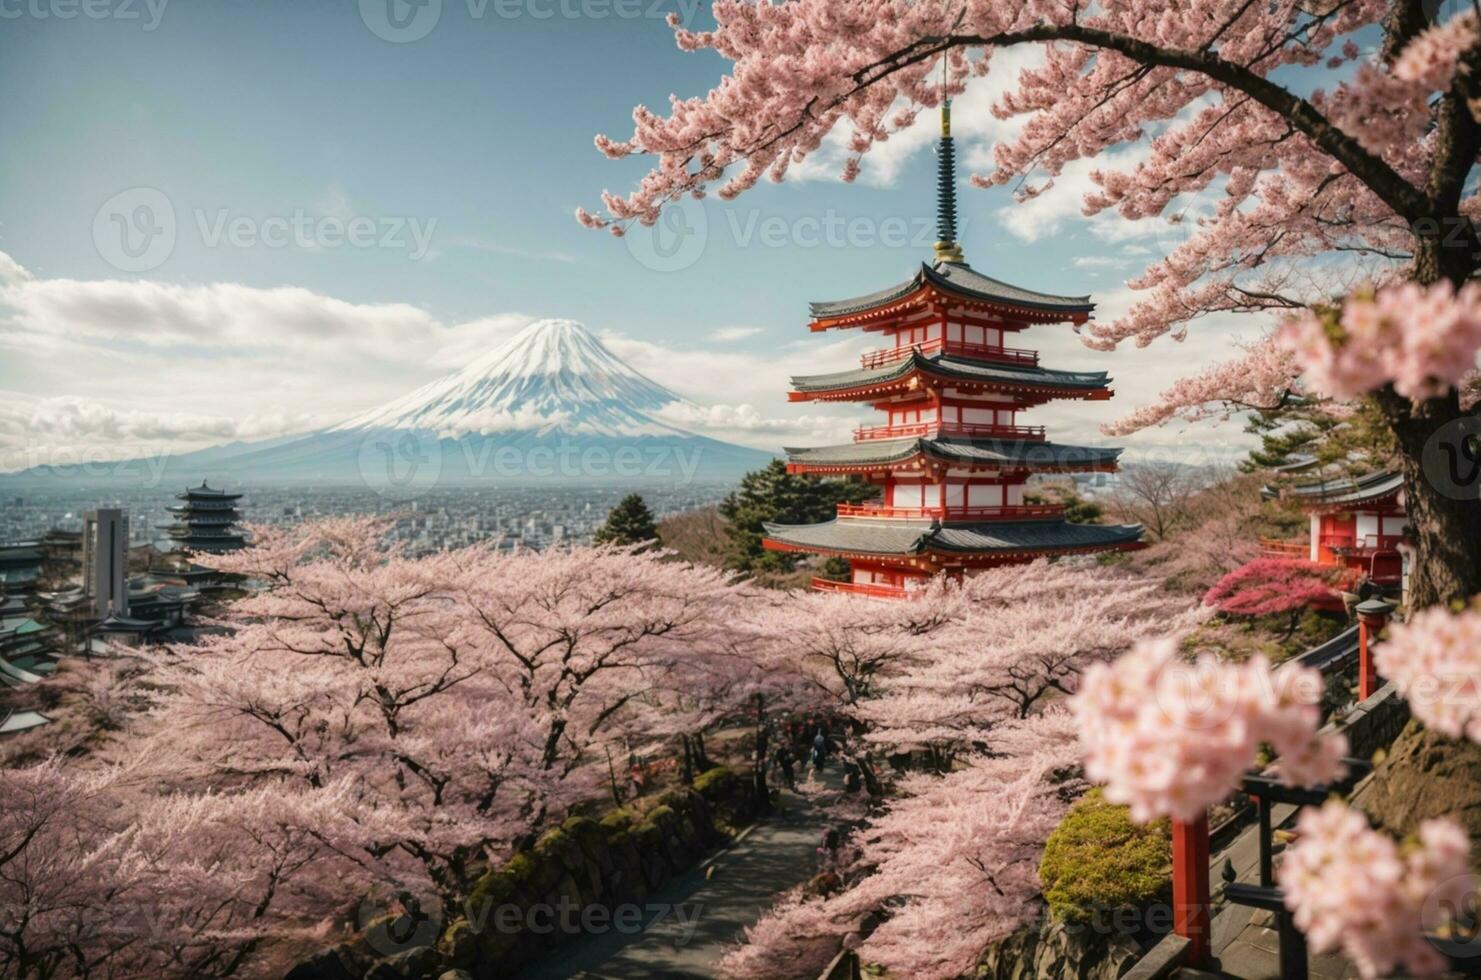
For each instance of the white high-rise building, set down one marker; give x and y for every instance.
(105, 560)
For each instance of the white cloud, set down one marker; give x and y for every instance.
(727, 335)
(66, 429)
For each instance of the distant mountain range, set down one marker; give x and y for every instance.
(553, 404)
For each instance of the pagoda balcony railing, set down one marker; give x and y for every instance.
(1361, 546)
(861, 588)
(984, 513)
(1271, 548)
(918, 429)
(986, 352)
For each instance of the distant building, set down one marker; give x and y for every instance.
(206, 521)
(105, 560)
(1358, 524)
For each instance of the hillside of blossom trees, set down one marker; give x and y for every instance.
(369, 724)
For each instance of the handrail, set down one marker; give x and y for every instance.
(860, 588)
(989, 430)
(944, 513)
(991, 352)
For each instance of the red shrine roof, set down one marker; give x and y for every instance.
(856, 536)
(947, 367)
(957, 280)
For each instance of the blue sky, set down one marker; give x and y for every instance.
(462, 156)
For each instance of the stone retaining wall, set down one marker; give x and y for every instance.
(583, 877)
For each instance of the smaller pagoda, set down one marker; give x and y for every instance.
(206, 520)
(1355, 523)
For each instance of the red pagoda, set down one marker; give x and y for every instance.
(951, 459)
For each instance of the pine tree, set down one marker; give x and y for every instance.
(774, 495)
(1350, 441)
(630, 522)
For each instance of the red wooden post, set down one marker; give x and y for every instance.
(1190, 894)
(1372, 618)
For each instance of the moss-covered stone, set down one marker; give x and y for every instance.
(1097, 860)
(720, 782)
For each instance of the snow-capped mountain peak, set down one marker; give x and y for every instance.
(554, 375)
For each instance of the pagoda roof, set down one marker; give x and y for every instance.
(1373, 488)
(953, 367)
(857, 536)
(114, 623)
(959, 279)
(1017, 453)
(206, 492)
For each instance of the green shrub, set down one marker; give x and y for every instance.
(1097, 859)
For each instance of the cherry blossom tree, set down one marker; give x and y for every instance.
(1326, 163)
(951, 865)
(1021, 637)
(101, 877)
(472, 693)
(1276, 586)
(950, 862)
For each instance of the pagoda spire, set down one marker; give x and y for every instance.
(947, 249)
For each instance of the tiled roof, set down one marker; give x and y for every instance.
(1045, 455)
(953, 367)
(1374, 486)
(856, 536)
(962, 279)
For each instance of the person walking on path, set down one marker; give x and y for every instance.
(784, 760)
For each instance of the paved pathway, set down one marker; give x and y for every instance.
(715, 905)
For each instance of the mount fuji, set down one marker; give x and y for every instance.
(550, 405)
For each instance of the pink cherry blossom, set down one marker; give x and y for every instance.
(1434, 660)
(1170, 738)
(1352, 888)
(1423, 341)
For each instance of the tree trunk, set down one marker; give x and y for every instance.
(702, 760)
(688, 756)
(763, 796)
(1442, 483)
(1442, 491)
